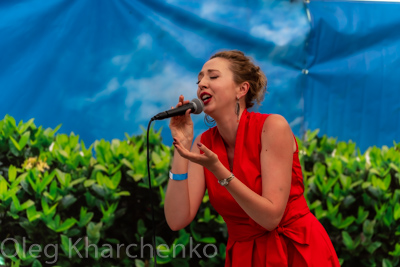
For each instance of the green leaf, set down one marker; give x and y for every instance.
(183, 239)
(85, 219)
(320, 212)
(127, 163)
(373, 246)
(345, 181)
(3, 187)
(47, 179)
(100, 178)
(32, 214)
(123, 193)
(368, 228)
(315, 204)
(207, 215)
(347, 222)
(195, 234)
(348, 200)
(46, 210)
(139, 263)
(163, 254)
(101, 168)
(394, 167)
(16, 203)
(15, 143)
(332, 210)
(388, 218)
(65, 241)
(62, 154)
(27, 204)
(362, 215)
(396, 214)
(68, 223)
(88, 183)
(396, 251)
(67, 201)
(311, 147)
(141, 228)
(36, 263)
(11, 192)
(386, 182)
(61, 177)
(24, 140)
(208, 240)
(386, 263)
(12, 173)
(348, 241)
(115, 169)
(155, 158)
(53, 190)
(24, 126)
(13, 215)
(99, 190)
(77, 181)
(93, 232)
(116, 179)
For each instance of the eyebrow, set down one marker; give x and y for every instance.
(209, 70)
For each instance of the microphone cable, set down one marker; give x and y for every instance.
(151, 196)
(196, 107)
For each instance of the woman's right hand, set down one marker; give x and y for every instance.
(182, 126)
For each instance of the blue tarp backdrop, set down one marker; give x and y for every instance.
(103, 68)
(352, 88)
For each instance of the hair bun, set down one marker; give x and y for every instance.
(244, 70)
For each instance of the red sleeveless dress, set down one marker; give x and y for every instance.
(299, 240)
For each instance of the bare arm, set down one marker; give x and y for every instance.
(183, 198)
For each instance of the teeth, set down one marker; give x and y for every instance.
(205, 97)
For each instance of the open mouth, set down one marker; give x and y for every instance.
(205, 97)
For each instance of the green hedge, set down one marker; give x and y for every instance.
(91, 205)
(356, 197)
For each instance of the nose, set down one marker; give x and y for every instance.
(202, 85)
(200, 88)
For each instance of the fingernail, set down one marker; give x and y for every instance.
(199, 144)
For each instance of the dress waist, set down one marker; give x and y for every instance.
(250, 230)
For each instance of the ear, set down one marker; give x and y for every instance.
(243, 89)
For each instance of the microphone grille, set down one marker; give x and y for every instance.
(198, 106)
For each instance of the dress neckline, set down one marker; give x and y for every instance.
(238, 148)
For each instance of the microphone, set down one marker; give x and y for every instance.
(196, 107)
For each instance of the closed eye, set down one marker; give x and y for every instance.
(215, 77)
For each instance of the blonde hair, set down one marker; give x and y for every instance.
(244, 70)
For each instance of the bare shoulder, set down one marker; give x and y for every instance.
(276, 123)
(276, 131)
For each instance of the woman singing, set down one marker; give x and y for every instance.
(249, 164)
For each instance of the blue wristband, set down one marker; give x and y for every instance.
(178, 177)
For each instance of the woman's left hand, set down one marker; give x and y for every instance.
(208, 159)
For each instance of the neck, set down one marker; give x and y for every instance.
(227, 127)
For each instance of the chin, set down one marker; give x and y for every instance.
(208, 111)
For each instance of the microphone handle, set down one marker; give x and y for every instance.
(174, 112)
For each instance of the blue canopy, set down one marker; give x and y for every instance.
(103, 68)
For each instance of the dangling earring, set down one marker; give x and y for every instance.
(208, 121)
(237, 109)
